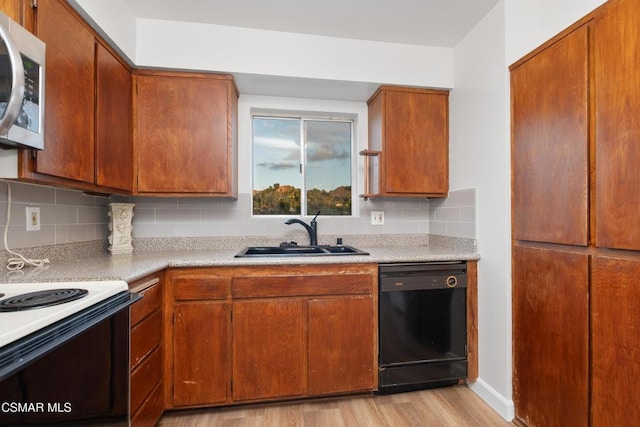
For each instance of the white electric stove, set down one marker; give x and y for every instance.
(20, 322)
(53, 357)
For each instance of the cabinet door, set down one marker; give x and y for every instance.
(550, 146)
(615, 319)
(416, 143)
(617, 126)
(341, 344)
(69, 105)
(183, 136)
(551, 337)
(14, 9)
(268, 349)
(200, 337)
(114, 155)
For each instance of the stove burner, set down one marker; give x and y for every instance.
(41, 299)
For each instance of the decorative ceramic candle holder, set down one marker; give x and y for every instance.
(120, 215)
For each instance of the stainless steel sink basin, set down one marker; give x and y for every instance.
(293, 251)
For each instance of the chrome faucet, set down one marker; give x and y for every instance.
(311, 229)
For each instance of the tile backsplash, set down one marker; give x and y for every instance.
(70, 216)
(66, 216)
(454, 216)
(205, 217)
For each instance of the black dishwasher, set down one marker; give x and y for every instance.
(422, 325)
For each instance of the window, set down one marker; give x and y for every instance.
(301, 165)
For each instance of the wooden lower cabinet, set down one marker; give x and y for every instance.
(268, 349)
(551, 336)
(615, 340)
(199, 338)
(249, 334)
(200, 329)
(340, 356)
(146, 355)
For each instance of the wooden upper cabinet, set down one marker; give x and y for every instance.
(186, 134)
(88, 132)
(410, 129)
(70, 96)
(550, 143)
(19, 11)
(114, 137)
(617, 126)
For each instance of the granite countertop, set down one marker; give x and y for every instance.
(103, 266)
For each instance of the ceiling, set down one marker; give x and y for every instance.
(440, 23)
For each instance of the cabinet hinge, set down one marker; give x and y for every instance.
(34, 4)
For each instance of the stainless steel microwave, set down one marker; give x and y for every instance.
(22, 73)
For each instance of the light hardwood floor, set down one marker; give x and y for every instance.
(440, 407)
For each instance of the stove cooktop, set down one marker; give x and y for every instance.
(41, 299)
(20, 323)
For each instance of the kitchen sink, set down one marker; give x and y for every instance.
(294, 250)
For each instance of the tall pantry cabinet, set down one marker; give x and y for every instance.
(549, 197)
(575, 220)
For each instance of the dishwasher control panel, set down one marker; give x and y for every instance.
(398, 277)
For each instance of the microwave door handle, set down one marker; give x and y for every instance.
(14, 105)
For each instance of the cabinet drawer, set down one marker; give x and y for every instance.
(144, 378)
(145, 337)
(151, 301)
(197, 288)
(301, 285)
(150, 411)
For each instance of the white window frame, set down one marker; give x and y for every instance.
(309, 116)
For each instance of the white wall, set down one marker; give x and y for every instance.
(242, 50)
(529, 23)
(479, 157)
(115, 18)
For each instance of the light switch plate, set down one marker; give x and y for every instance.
(377, 218)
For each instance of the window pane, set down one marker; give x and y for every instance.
(328, 172)
(276, 166)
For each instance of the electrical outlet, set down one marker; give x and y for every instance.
(377, 218)
(33, 218)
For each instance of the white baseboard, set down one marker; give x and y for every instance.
(498, 402)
